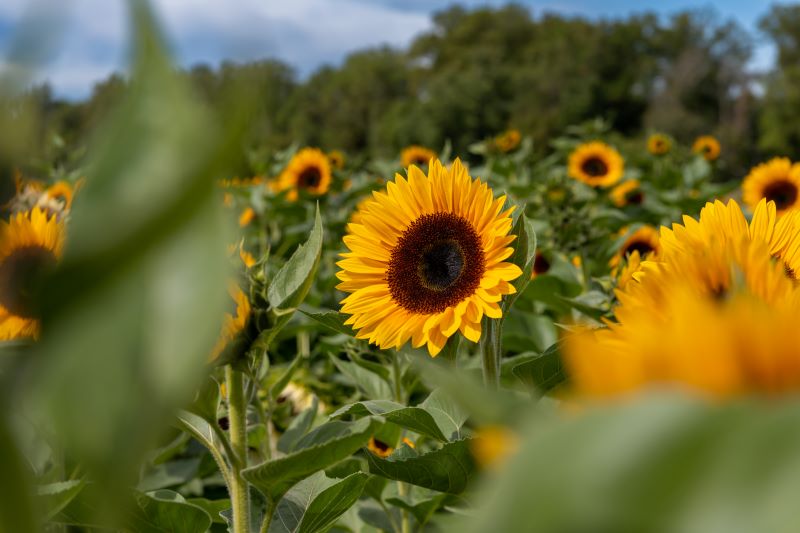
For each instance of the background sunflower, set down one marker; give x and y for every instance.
(309, 170)
(777, 180)
(596, 164)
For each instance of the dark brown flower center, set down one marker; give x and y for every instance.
(783, 193)
(20, 278)
(436, 263)
(540, 264)
(634, 197)
(419, 160)
(380, 445)
(309, 178)
(643, 247)
(595, 167)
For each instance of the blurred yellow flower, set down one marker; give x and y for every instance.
(337, 159)
(540, 265)
(777, 180)
(379, 448)
(427, 259)
(232, 326)
(596, 164)
(627, 193)
(644, 240)
(309, 171)
(493, 445)
(31, 243)
(246, 217)
(658, 144)
(416, 155)
(508, 140)
(707, 146)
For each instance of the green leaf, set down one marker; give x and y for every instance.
(300, 425)
(543, 372)
(449, 415)
(315, 503)
(523, 256)
(165, 511)
(54, 497)
(448, 469)
(423, 510)
(413, 418)
(332, 320)
(371, 384)
(274, 478)
(169, 474)
(206, 403)
(214, 508)
(289, 286)
(280, 384)
(657, 463)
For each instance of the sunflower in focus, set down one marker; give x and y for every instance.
(309, 171)
(596, 164)
(508, 140)
(627, 193)
(658, 144)
(31, 244)
(232, 326)
(707, 146)
(645, 241)
(416, 155)
(336, 157)
(427, 259)
(777, 180)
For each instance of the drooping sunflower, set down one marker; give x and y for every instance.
(707, 146)
(627, 193)
(508, 140)
(309, 171)
(596, 164)
(416, 155)
(645, 241)
(31, 244)
(232, 326)
(777, 180)
(659, 144)
(427, 259)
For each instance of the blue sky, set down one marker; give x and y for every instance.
(90, 41)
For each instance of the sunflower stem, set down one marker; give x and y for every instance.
(405, 524)
(237, 417)
(491, 349)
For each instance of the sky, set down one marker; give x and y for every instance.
(87, 39)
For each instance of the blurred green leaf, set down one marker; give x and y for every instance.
(448, 469)
(299, 426)
(274, 478)
(53, 497)
(371, 384)
(17, 510)
(423, 510)
(449, 415)
(661, 463)
(165, 511)
(414, 418)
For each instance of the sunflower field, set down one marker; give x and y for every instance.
(598, 335)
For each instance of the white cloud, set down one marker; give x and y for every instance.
(305, 33)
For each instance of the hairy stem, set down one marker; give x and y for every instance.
(237, 417)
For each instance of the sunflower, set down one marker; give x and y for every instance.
(777, 180)
(540, 265)
(717, 318)
(426, 259)
(247, 216)
(379, 448)
(596, 164)
(309, 171)
(61, 192)
(31, 243)
(658, 144)
(628, 271)
(416, 155)
(232, 326)
(336, 158)
(644, 240)
(707, 146)
(627, 193)
(508, 140)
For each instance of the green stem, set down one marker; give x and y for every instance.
(491, 349)
(405, 524)
(237, 417)
(270, 512)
